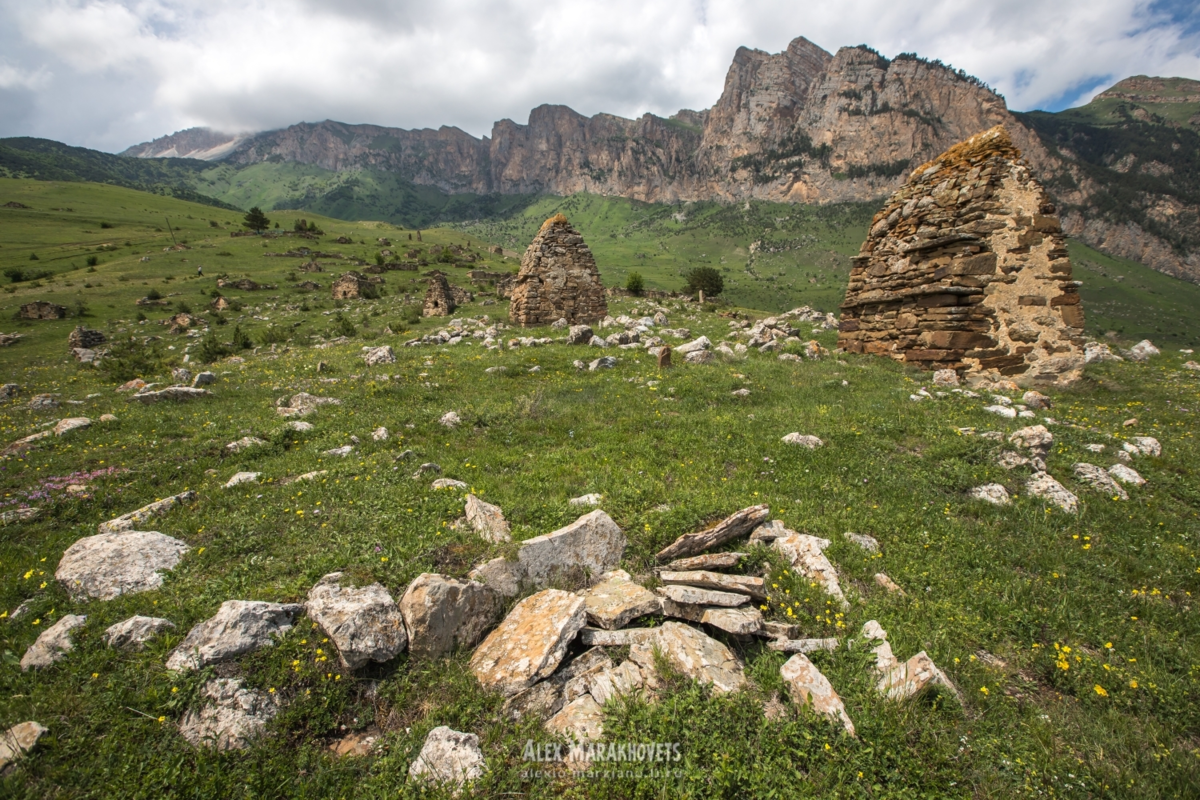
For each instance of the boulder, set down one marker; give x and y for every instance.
(231, 715)
(487, 520)
(886, 583)
(1143, 446)
(71, 424)
(1099, 480)
(450, 419)
(1143, 351)
(699, 657)
(40, 402)
(741, 622)
(585, 500)
(613, 682)
(443, 614)
(1126, 474)
(805, 554)
(379, 355)
(1098, 352)
(500, 574)
(238, 627)
(694, 346)
(19, 740)
(109, 565)
(133, 633)
(204, 379)
(1044, 486)
(362, 621)
(449, 759)
(617, 600)
(914, 677)
(811, 442)
(993, 493)
(867, 543)
(809, 687)
(589, 546)
(530, 643)
(579, 334)
(53, 644)
(242, 477)
(604, 362)
(546, 698)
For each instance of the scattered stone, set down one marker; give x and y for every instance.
(238, 627)
(53, 644)
(1035, 399)
(888, 584)
(1126, 475)
(245, 443)
(231, 717)
(379, 355)
(308, 476)
(1036, 438)
(1100, 480)
(1192, 365)
(914, 677)
(1143, 445)
(617, 600)
(109, 565)
(699, 657)
(448, 758)
(299, 426)
(733, 526)
(204, 379)
(19, 515)
(443, 614)
(945, 377)
(811, 442)
(339, 452)
(740, 622)
(805, 554)
(740, 393)
(592, 544)
(181, 375)
(546, 698)
(1097, 352)
(699, 357)
(356, 745)
(694, 346)
(808, 686)
(581, 720)
(1042, 485)
(175, 393)
(717, 581)
(604, 362)
(363, 621)
(450, 419)
(428, 466)
(449, 483)
(769, 532)
(380, 434)
(303, 404)
(708, 561)
(133, 633)
(531, 641)
(501, 575)
(1143, 350)
(107, 418)
(21, 446)
(1010, 460)
(868, 543)
(9, 390)
(487, 520)
(71, 424)
(579, 334)
(586, 500)
(19, 740)
(993, 493)
(593, 637)
(42, 310)
(803, 645)
(1003, 411)
(41, 402)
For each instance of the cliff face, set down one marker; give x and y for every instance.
(204, 144)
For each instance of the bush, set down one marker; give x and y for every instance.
(33, 257)
(241, 341)
(211, 349)
(379, 259)
(106, 225)
(183, 308)
(80, 309)
(217, 318)
(342, 326)
(141, 317)
(634, 283)
(154, 294)
(274, 334)
(92, 261)
(212, 223)
(704, 279)
(411, 314)
(128, 360)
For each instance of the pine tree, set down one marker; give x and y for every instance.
(256, 220)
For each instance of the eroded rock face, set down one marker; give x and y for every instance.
(109, 565)
(558, 279)
(966, 268)
(238, 627)
(592, 544)
(133, 633)
(53, 644)
(808, 686)
(448, 757)
(530, 643)
(363, 621)
(443, 614)
(230, 717)
(696, 655)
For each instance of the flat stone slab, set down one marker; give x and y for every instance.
(448, 758)
(531, 641)
(109, 565)
(19, 740)
(238, 627)
(53, 644)
(448, 483)
(595, 637)
(803, 645)
(803, 440)
(245, 443)
(487, 520)
(614, 682)
(696, 655)
(242, 477)
(69, 424)
(362, 621)
(993, 493)
(868, 543)
(171, 393)
(546, 698)
(717, 581)
(443, 614)
(586, 500)
(805, 554)
(581, 720)
(708, 561)
(738, 524)
(231, 716)
(617, 600)
(133, 633)
(127, 522)
(746, 621)
(809, 687)
(499, 574)
(691, 595)
(592, 544)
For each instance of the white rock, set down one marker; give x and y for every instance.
(448, 483)
(693, 346)
(1143, 350)
(617, 600)
(450, 419)
(500, 574)
(108, 565)
(913, 677)
(238, 627)
(692, 653)
(242, 477)
(443, 614)
(1100, 480)
(811, 442)
(1126, 475)
(299, 426)
(362, 621)
(530, 643)
(127, 522)
(1003, 411)
(1144, 445)
(245, 443)
(581, 720)
(808, 686)
(695, 596)
(487, 520)
(380, 434)
(945, 377)
(868, 543)
(613, 682)
(379, 355)
(133, 633)
(71, 424)
(340, 452)
(586, 500)
(993, 493)
(53, 644)
(231, 716)
(1096, 352)
(698, 357)
(805, 554)
(1044, 486)
(448, 758)
(592, 544)
(19, 740)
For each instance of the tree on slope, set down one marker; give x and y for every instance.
(256, 220)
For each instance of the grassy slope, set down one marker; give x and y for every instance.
(1017, 582)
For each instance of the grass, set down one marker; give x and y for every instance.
(1021, 583)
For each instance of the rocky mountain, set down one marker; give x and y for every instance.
(200, 143)
(802, 126)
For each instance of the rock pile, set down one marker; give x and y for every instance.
(83, 338)
(558, 279)
(965, 268)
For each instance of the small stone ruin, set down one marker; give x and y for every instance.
(350, 286)
(965, 268)
(85, 339)
(558, 279)
(439, 298)
(42, 310)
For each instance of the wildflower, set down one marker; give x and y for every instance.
(984, 690)
(1133, 684)
(1098, 689)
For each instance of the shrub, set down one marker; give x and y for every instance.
(91, 269)
(183, 307)
(92, 261)
(217, 318)
(211, 349)
(106, 225)
(154, 294)
(379, 259)
(274, 334)
(33, 257)
(128, 360)
(634, 283)
(704, 279)
(342, 326)
(212, 223)
(80, 309)
(241, 341)
(140, 317)
(411, 314)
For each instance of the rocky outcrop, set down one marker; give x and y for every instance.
(109, 565)
(558, 279)
(41, 310)
(965, 268)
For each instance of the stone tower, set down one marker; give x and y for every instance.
(439, 298)
(965, 268)
(558, 279)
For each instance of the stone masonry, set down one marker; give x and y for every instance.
(85, 338)
(351, 285)
(42, 310)
(965, 268)
(439, 298)
(558, 279)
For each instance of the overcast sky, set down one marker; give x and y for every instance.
(111, 73)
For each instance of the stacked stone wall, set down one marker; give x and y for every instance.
(558, 279)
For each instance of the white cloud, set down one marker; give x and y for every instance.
(152, 66)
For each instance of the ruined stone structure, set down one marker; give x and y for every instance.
(85, 338)
(351, 285)
(558, 279)
(965, 268)
(42, 310)
(439, 297)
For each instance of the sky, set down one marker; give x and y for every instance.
(108, 74)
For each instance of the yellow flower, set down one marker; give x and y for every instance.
(985, 691)
(1098, 689)
(1133, 684)
(162, 719)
